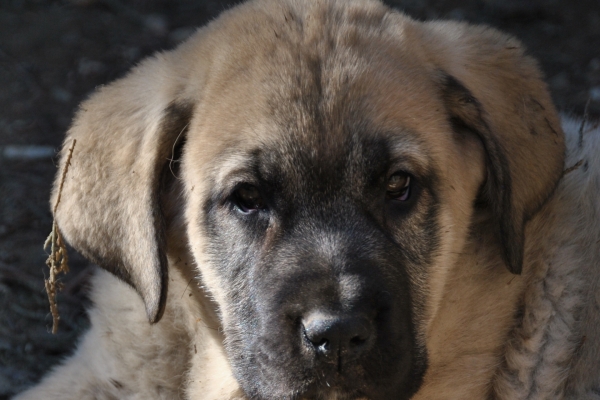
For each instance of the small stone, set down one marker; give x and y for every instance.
(61, 94)
(131, 53)
(4, 290)
(5, 385)
(181, 34)
(84, 3)
(90, 67)
(457, 14)
(157, 24)
(70, 39)
(560, 80)
(595, 93)
(33, 152)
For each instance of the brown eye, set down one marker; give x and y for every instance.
(248, 199)
(398, 187)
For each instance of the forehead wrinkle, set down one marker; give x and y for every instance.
(313, 99)
(315, 102)
(324, 125)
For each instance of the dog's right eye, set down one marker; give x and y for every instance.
(398, 187)
(248, 199)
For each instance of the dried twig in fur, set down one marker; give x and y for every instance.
(583, 122)
(57, 261)
(573, 167)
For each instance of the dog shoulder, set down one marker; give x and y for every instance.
(555, 348)
(582, 187)
(121, 356)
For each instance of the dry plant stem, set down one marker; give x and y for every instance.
(573, 168)
(583, 122)
(57, 261)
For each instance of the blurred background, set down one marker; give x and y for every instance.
(53, 53)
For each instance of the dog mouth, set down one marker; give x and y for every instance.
(338, 382)
(333, 393)
(332, 387)
(321, 378)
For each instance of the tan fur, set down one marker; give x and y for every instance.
(488, 333)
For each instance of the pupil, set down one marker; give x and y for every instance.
(398, 183)
(249, 199)
(399, 187)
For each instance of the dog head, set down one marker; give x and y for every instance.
(335, 155)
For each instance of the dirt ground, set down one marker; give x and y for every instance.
(53, 53)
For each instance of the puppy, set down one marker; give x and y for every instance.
(325, 199)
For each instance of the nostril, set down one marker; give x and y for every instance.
(357, 341)
(329, 335)
(320, 334)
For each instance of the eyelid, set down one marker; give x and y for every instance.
(400, 170)
(414, 165)
(230, 186)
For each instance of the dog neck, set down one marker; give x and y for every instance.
(552, 349)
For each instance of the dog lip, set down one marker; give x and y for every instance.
(325, 377)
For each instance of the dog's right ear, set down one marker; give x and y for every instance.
(494, 89)
(109, 207)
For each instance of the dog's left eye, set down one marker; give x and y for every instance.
(398, 187)
(248, 199)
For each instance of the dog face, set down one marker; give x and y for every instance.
(320, 230)
(337, 158)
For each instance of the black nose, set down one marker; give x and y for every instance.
(338, 335)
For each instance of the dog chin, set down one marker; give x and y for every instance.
(334, 394)
(325, 389)
(339, 395)
(332, 389)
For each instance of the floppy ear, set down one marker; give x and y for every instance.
(109, 208)
(490, 87)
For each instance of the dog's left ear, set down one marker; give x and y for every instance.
(109, 207)
(492, 88)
